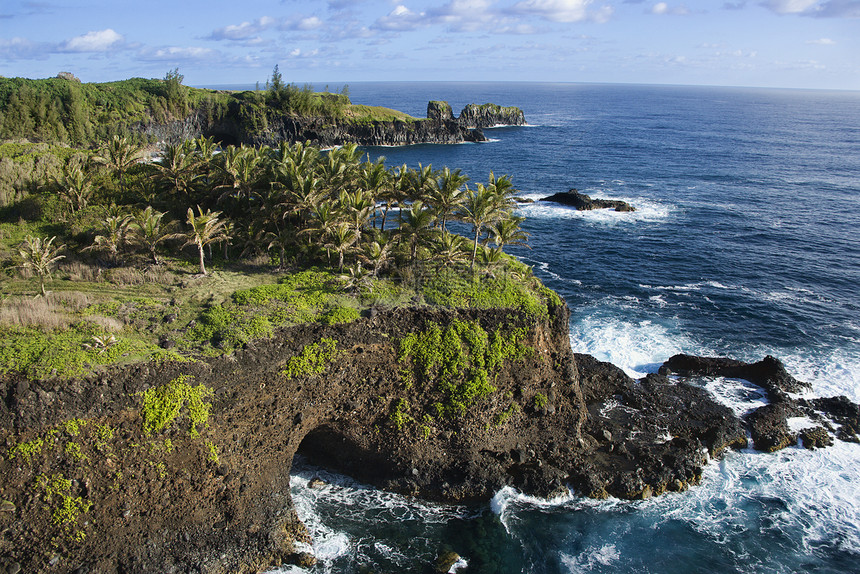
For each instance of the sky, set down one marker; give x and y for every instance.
(766, 43)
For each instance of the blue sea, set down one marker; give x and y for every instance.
(745, 242)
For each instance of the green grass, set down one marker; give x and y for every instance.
(366, 114)
(62, 353)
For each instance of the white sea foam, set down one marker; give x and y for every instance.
(460, 564)
(647, 211)
(343, 501)
(595, 558)
(739, 395)
(638, 347)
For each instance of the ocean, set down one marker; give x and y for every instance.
(745, 242)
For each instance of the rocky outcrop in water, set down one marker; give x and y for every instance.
(490, 115)
(769, 424)
(79, 469)
(583, 202)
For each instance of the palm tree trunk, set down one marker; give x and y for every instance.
(202, 265)
(475, 250)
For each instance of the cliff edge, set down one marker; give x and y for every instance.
(181, 466)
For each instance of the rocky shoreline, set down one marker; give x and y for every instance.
(171, 501)
(440, 127)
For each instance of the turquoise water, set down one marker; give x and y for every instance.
(745, 242)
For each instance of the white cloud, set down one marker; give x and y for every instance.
(563, 10)
(822, 42)
(840, 9)
(661, 8)
(100, 41)
(401, 19)
(816, 8)
(244, 30)
(789, 6)
(23, 49)
(175, 53)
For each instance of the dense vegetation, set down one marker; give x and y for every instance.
(123, 250)
(65, 110)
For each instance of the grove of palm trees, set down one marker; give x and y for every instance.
(162, 252)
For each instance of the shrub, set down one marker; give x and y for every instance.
(313, 359)
(163, 405)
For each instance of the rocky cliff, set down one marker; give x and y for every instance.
(182, 467)
(440, 127)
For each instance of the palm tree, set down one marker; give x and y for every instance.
(358, 207)
(148, 230)
(449, 248)
(447, 193)
(416, 227)
(507, 232)
(115, 231)
(395, 193)
(75, 186)
(479, 208)
(375, 180)
(340, 239)
(376, 254)
(119, 155)
(421, 182)
(40, 257)
(178, 168)
(206, 228)
(240, 168)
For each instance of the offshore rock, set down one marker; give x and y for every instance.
(490, 115)
(582, 202)
(768, 424)
(769, 373)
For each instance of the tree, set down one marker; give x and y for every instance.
(75, 186)
(376, 254)
(449, 248)
(416, 228)
(479, 208)
(114, 234)
(206, 228)
(40, 257)
(340, 239)
(148, 231)
(178, 168)
(507, 232)
(119, 155)
(447, 194)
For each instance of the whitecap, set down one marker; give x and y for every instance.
(595, 558)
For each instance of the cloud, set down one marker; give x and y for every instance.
(468, 15)
(822, 42)
(734, 5)
(100, 41)
(661, 8)
(789, 6)
(401, 19)
(559, 10)
(242, 31)
(301, 23)
(179, 53)
(840, 9)
(23, 49)
(829, 9)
